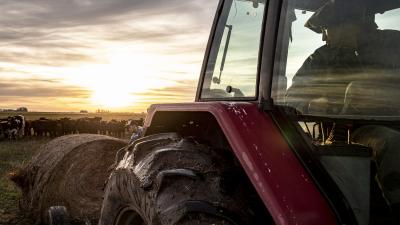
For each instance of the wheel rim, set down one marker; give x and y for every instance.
(129, 217)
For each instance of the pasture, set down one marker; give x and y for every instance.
(74, 116)
(12, 155)
(15, 153)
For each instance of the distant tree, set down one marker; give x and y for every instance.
(83, 111)
(22, 109)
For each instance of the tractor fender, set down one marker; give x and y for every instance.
(283, 184)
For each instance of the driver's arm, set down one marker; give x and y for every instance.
(308, 82)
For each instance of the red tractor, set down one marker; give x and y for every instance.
(293, 124)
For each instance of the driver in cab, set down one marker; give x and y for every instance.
(357, 72)
(356, 53)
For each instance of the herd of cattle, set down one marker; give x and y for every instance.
(16, 127)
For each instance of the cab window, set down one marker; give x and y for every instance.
(232, 68)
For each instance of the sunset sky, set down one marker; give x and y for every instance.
(120, 55)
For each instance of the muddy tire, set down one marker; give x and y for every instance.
(165, 179)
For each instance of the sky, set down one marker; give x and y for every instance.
(119, 55)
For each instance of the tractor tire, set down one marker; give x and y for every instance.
(165, 179)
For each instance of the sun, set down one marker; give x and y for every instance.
(119, 83)
(112, 99)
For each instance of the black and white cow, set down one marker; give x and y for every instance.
(21, 125)
(13, 127)
(131, 125)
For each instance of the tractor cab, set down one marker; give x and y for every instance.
(338, 74)
(331, 69)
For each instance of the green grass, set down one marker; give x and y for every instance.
(12, 155)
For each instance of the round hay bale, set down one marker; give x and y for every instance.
(70, 171)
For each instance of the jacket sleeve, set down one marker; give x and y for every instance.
(307, 83)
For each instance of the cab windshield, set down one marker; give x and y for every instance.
(340, 59)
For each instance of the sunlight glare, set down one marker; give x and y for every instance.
(114, 98)
(114, 85)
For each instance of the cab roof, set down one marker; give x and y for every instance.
(376, 6)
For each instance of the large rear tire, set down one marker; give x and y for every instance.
(165, 179)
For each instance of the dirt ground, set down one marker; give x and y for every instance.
(12, 155)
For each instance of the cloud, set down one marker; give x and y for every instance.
(69, 13)
(65, 32)
(42, 95)
(183, 91)
(32, 88)
(49, 36)
(48, 58)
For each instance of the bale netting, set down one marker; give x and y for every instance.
(68, 171)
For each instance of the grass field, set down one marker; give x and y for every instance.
(12, 155)
(56, 115)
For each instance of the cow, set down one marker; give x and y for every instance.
(13, 127)
(103, 127)
(28, 128)
(68, 126)
(3, 127)
(116, 128)
(19, 121)
(132, 125)
(89, 125)
(45, 127)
